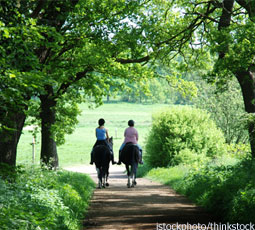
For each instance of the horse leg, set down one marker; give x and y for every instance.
(99, 176)
(106, 177)
(103, 176)
(133, 173)
(128, 174)
(105, 172)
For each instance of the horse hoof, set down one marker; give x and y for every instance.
(128, 185)
(99, 187)
(135, 183)
(107, 184)
(132, 186)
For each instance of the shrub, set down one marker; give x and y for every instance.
(243, 205)
(41, 199)
(239, 151)
(226, 189)
(182, 134)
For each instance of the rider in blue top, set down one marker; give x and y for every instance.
(101, 134)
(102, 139)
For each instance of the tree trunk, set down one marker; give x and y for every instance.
(245, 77)
(10, 133)
(49, 156)
(246, 80)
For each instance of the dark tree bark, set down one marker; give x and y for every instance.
(225, 19)
(246, 80)
(49, 156)
(245, 77)
(12, 122)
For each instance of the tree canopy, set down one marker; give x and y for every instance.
(67, 47)
(53, 50)
(217, 32)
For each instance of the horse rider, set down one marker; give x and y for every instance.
(102, 139)
(131, 136)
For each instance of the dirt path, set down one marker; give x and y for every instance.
(149, 205)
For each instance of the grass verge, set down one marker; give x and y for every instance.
(32, 198)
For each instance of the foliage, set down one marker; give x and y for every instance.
(143, 170)
(52, 48)
(226, 108)
(41, 199)
(225, 29)
(75, 48)
(239, 151)
(172, 176)
(222, 185)
(171, 87)
(182, 134)
(67, 111)
(9, 173)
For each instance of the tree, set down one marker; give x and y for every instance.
(225, 29)
(226, 109)
(27, 30)
(67, 46)
(55, 48)
(16, 61)
(88, 50)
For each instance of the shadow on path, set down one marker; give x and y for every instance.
(146, 206)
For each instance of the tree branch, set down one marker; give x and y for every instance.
(128, 61)
(206, 16)
(195, 23)
(64, 87)
(249, 6)
(225, 19)
(38, 8)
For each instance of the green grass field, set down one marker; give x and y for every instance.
(77, 148)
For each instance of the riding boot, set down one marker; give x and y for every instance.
(91, 157)
(119, 162)
(112, 158)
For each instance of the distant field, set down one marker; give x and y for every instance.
(77, 148)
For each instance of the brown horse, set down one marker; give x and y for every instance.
(130, 157)
(102, 157)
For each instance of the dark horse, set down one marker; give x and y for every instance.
(130, 157)
(102, 157)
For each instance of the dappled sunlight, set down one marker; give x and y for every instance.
(141, 207)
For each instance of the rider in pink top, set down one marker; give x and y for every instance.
(131, 135)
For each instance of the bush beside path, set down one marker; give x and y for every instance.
(147, 206)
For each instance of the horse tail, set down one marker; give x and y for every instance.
(130, 154)
(101, 155)
(136, 154)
